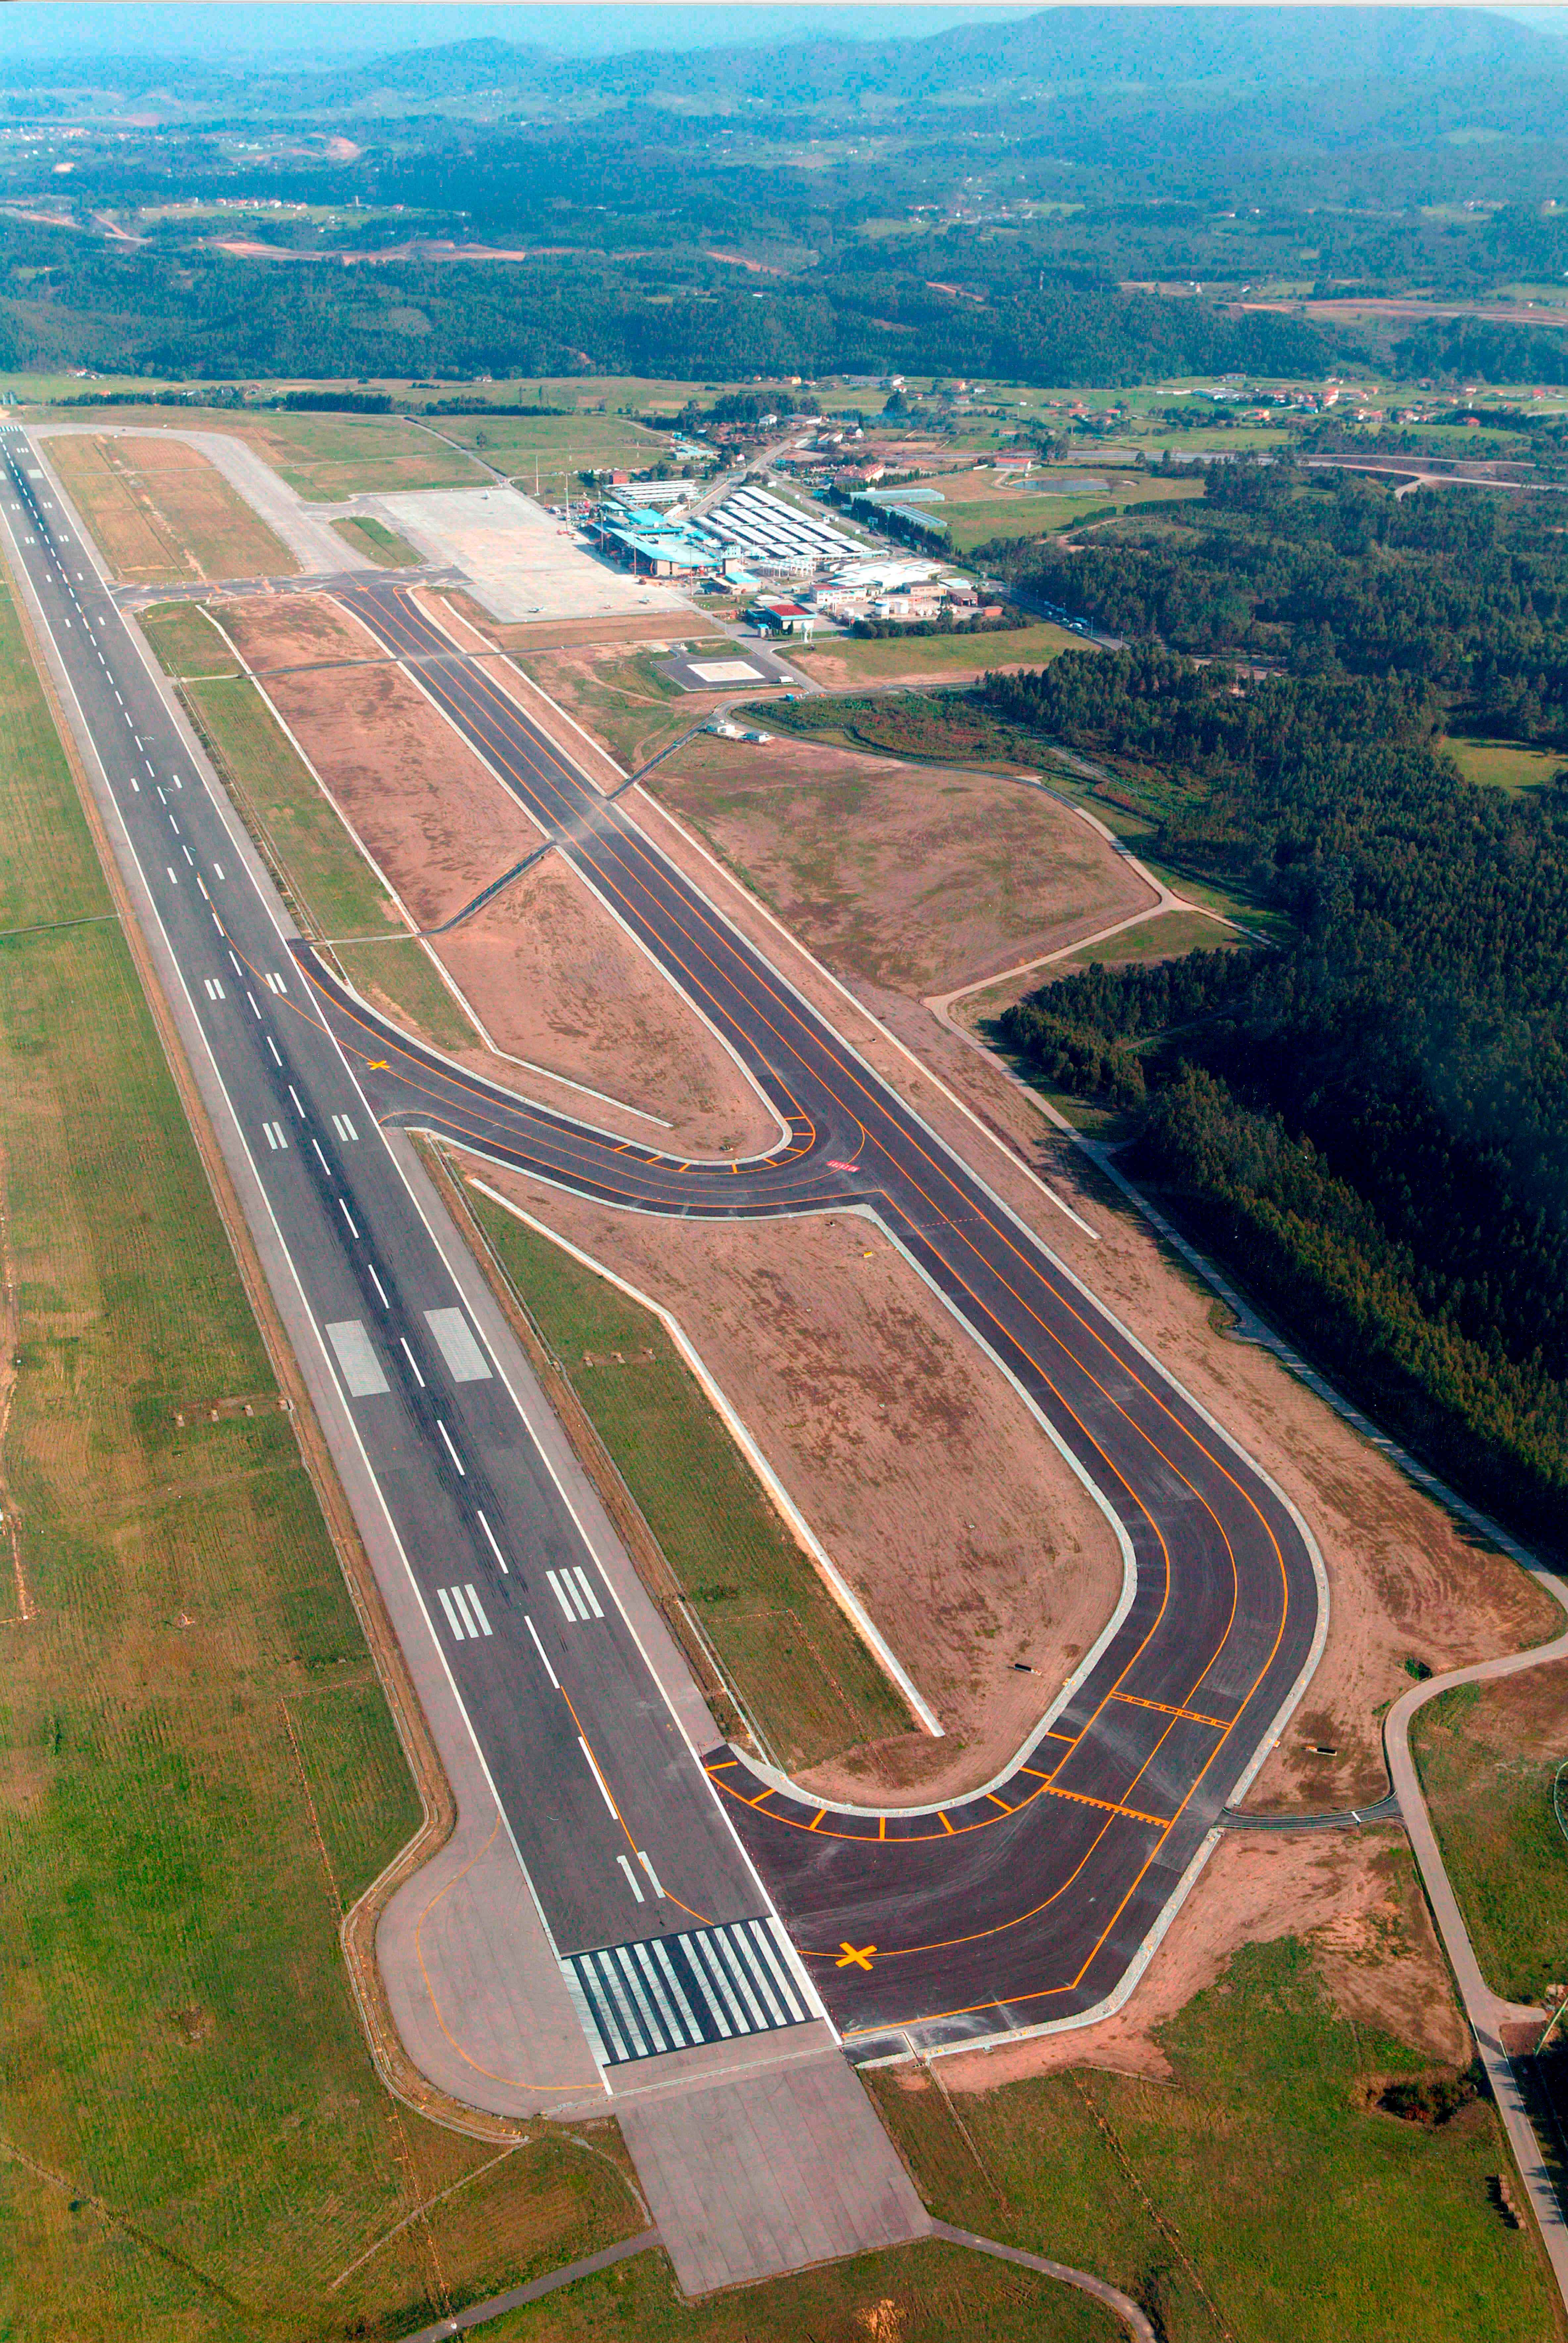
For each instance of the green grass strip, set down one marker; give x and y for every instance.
(803, 1674)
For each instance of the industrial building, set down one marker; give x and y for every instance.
(774, 538)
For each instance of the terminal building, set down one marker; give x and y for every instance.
(655, 544)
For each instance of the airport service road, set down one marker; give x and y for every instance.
(625, 1841)
(1029, 1901)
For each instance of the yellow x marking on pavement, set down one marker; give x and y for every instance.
(853, 1959)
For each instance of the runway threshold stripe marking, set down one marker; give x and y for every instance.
(452, 1619)
(586, 1591)
(456, 1594)
(562, 1597)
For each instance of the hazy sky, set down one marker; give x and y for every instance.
(230, 29)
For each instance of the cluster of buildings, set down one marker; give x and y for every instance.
(752, 537)
(756, 543)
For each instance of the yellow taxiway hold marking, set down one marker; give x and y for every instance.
(849, 1957)
(1035, 1771)
(821, 1811)
(947, 1826)
(1193, 1716)
(881, 1827)
(724, 1764)
(999, 1801)
(1109, 1807)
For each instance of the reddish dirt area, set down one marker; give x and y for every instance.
(293, 630)
(910, 876)
(549, 975)
(915, 1462)
(1353, 1897)
(436, 823)
(1405, 1581)
(558, 983)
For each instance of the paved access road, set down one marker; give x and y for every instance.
(1024, 1904)
(1027, 1902)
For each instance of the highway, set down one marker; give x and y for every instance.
(1025, 1902)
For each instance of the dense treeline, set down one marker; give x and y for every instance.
(1462, 588)
(208, 315)
(1371, 1125)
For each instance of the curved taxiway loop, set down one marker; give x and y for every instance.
(1029, 1901)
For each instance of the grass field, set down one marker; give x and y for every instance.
(558, 443)
(926, 2294)
(1291, 2208)
(400, 978)
(161, 512)
(885, 659)
(384, 546)
(333, 886)
(1505, 764)
(798, 1667)
(185, 641)
(333, 889)
(200, 1766)
(322, 457)
(1172, 933)
(1487, 1755)
(622, 700)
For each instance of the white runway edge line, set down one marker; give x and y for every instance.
(843, 1593)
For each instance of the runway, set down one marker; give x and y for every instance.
(1020, 1905)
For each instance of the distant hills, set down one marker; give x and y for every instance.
(1154, 52)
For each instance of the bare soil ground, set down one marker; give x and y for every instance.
(295, 630)
(916, 1463)
(437, 824)
(556, 982)
(1353, 1897)
(1405, 1581)
(160, 510)
(908, 876)
(551, 976)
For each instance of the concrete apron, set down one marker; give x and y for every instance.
(773, 2166)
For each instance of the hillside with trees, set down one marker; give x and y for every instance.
(1370, 1126)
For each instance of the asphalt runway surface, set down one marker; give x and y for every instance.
(1021, 1904)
